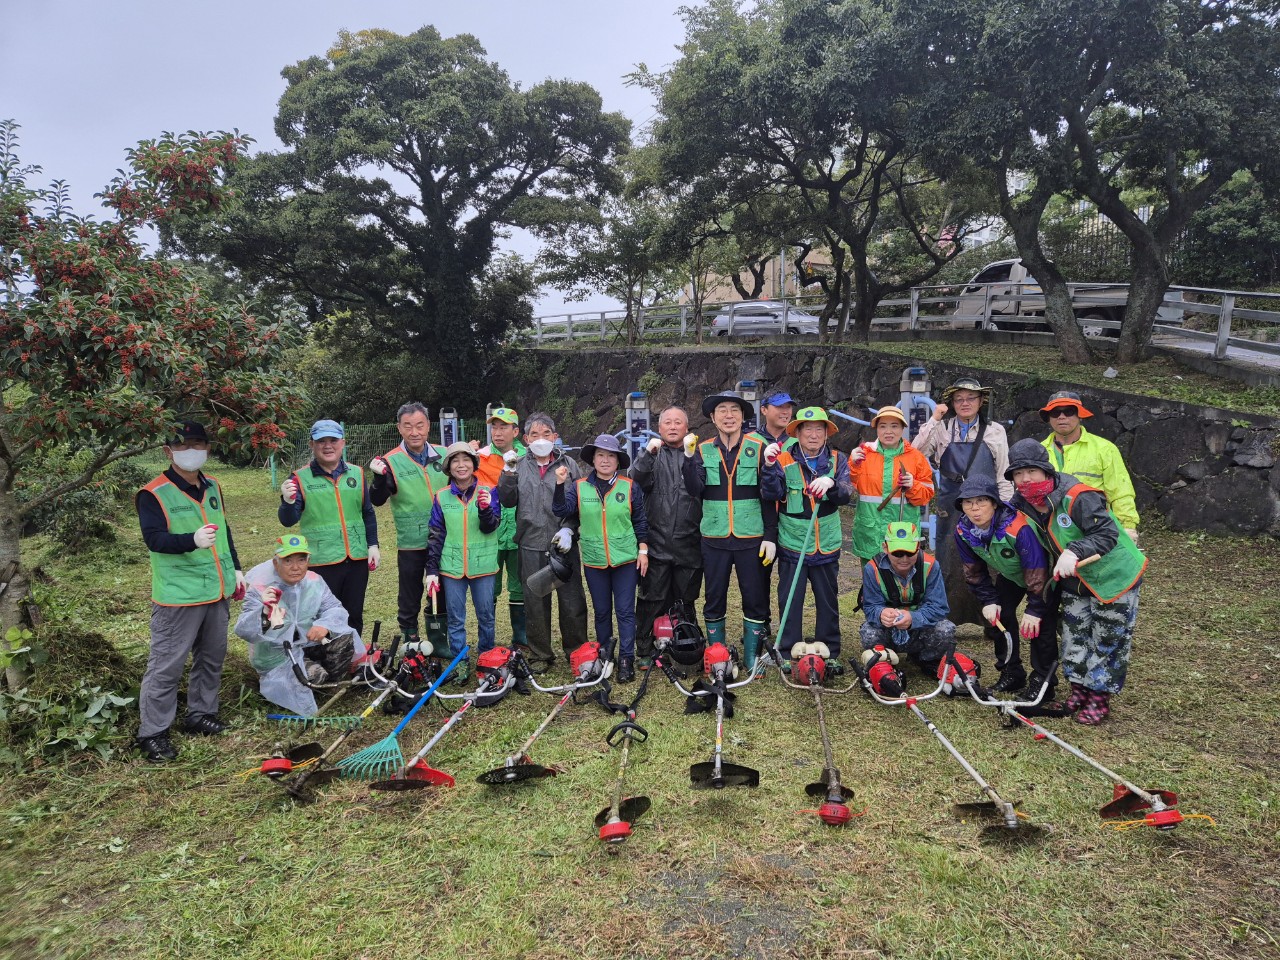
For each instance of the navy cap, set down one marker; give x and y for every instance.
(189, 431)
(322, 429)
(777, 399)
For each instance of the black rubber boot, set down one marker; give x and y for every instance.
(626, 669)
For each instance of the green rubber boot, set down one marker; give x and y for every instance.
(517, 624)
(715, 631)
(752, 635)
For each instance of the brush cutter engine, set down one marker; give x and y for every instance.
(881, 665)
(585, 662)
(495, 666)
(809, 662)
(679, 636)
(719, 662)
(953, 684)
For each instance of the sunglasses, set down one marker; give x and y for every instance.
(1060, 412)
(900, 554)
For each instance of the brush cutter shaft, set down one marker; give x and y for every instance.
(430, 690)
(822, 729)
(297, 785)
(550, 718)
(620, 781)
(718, 758)
(1011, 818)
(452, 722)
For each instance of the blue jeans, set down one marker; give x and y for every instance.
(455, 601)
(614, 587)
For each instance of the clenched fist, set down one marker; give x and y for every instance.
(289, 491)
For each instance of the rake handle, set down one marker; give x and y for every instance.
(342, 738)
(430, 690)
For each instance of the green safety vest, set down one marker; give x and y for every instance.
(607, 538)
(1117, 570)
(507, 525)
(731, 499)
(416, 488)
(467, 551)
(796, 516)
(892, 587)
(201, 575)
(333, 518)
(1001, 554)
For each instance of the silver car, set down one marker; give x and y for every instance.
(762, 318)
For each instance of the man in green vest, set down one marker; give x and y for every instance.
(810, 483)
(194, 572)
(739, 530)
(504, 433)
(409, 476)
(1098, 569)
(329, 500)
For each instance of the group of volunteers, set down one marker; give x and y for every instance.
(1051, 522)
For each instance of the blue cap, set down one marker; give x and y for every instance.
(326, 428)
(777, 399)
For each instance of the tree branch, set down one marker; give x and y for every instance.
(103, 459)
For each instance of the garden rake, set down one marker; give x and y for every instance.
(319, 718)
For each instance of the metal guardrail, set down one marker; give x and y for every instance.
(926, 308)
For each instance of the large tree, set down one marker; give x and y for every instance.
(406, 158)
(105, 347)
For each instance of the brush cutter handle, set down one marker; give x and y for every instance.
(628, 728)
(430, 690)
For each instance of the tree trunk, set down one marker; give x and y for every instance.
(16, 591)
(1148, 281)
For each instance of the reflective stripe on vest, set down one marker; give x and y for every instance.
(796, 516)
(607, 538)
(200, 575)
(1117, 570)
(416, 488)
(333, 517)
(731, 498)
(467, 552)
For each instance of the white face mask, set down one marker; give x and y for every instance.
(542, 448)
(190, 460)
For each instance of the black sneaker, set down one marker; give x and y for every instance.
(626, 670)
(1012, 679)
(539, 667)
(522, 686)
(204, 725)
(157, 748)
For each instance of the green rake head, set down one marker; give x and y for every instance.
(376, 762)
(309, 723)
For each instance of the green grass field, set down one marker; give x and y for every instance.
(197, 860)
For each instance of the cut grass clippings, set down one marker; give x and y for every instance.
(193, 859)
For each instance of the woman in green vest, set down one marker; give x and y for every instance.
(1100, 600)
(612, 535)
(462, 547)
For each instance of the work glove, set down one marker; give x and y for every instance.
(820, 486)
(485, 451)
(375, 556)
(378, 466)
(1066, 565)
(433, 584)
(771, 454)
(206, 536)
(289, 491)
(509, 461)
(654, 445)
(483, 499)
(562, 540)
(768, 551)
(272, 612)
(860, 452)
(690, 444)
(1133, 534)
(991, 613)
(318, 634)
(1029, 626)
(906, 480)
(242, 585)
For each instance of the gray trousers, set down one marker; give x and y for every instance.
(570, 599)
(922, 644)
(201, 632)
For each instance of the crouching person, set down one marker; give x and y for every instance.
(287, 601)
(906, 601)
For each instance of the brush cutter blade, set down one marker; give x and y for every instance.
(1022, 832)
(417, 777)
(1125, 802)
(702, 776)
(629, 811)
(516, 773)
(823, 789)
(980, 809)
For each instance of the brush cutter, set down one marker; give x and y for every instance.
(589, 669)
(720, 665)
(385, 755)
(496, 678)
(1127, 798)
(810, 668)
(366, 675)
(614, 821)
(1010, 824)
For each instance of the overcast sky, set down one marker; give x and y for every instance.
(88, 78)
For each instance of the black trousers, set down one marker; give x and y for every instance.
(411, 565)
(753, 584)
(1043, 649)
(348, 581)
(660, 589)
(824, 579)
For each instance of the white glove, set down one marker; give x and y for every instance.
(690, 444)
(375, 556)
(654, 445)
(484, 451)
(860, 452)
(906, 480)
(991, 613)
(820, 486)
(1029, 626)
(1066, 565)
(289, 491)
(433, 585)
(206, 536)
(563, 539)
(771, 454)
(378, 466)
(1133, 535)
(509, 461)
(767, 552)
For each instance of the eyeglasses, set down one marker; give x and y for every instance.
(903, 554)
(1057, 412)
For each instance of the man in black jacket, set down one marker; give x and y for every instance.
(675, 543)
